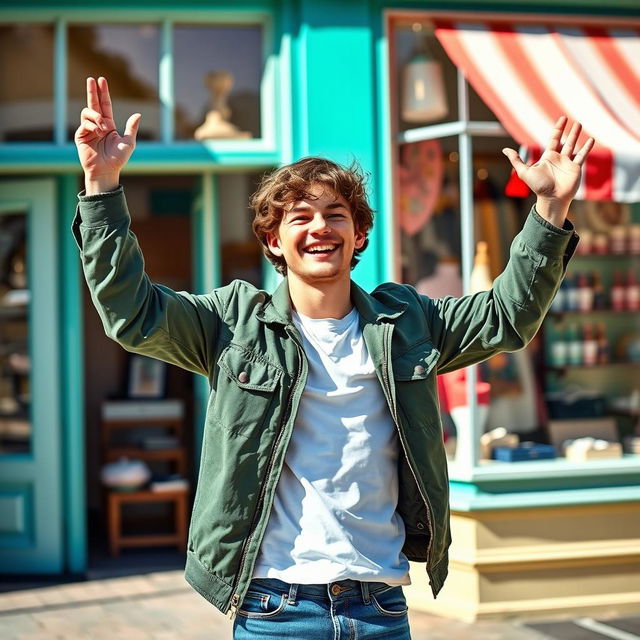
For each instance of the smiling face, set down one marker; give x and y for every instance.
(316, 237)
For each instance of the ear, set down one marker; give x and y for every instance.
(360, 239)
(273, 242)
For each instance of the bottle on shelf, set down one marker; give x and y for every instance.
(574, 346)
(599, 296)
(603, 343)
(632, 292)
(585, 293)
(559, 349)
(618, 239)
(618, 292)
(480, 276)
(589, 345)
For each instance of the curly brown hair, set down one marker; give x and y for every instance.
(291, 183)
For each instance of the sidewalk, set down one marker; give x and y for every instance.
(161, 606)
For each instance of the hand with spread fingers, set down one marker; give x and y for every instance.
(102, 150)
(555, 178)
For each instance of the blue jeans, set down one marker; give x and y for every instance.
(344, 610)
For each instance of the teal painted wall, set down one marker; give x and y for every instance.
(333, 93)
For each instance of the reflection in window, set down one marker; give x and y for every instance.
(241, 253)
(217, 82)
(128, 56)
(26, 83)
(15, 364)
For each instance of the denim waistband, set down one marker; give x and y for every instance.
(333, 590)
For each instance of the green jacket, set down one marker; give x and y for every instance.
(243, 340)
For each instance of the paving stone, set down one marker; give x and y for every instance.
(14, 625)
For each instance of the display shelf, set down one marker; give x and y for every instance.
(588, 256)
(600, 365)
(559, 314)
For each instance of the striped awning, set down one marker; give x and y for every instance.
(530, 74)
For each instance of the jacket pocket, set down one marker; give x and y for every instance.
(416, 363)
(246, 390)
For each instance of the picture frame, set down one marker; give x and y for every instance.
(147, 377)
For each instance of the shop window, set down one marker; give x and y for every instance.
(15, 363)
(26, 83)
(128, 56)
(577, 380)
(241, 253)
(426, 80)
(217, 75)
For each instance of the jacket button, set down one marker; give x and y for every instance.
(420, 525)
(419, 370)
(243, 377)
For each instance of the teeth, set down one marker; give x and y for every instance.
(325, 247)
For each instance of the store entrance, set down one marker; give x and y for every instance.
(139, 411)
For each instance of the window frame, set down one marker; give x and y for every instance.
(168, 152)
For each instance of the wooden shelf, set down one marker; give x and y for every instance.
(174, 453)
(175, 456)
(115, 501)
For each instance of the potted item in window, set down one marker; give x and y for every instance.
(217, 122)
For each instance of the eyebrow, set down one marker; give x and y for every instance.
(306, 207)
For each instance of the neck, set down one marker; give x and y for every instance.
(320, 300)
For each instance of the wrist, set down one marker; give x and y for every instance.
(553, 210)
(101, 184)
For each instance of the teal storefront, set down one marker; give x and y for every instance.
(286, 79)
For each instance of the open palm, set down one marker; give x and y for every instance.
(557, 174)
(101, 149)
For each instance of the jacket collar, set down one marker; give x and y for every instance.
(278, 308)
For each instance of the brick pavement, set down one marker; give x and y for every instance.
(161, 606)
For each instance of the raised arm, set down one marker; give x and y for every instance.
(103, 152)
(141, 316)
(505, 318)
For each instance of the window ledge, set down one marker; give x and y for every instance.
(149, 156)
(559, 470)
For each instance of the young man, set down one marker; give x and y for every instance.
(323, 470)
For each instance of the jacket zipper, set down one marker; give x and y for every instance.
(394, 415)
(236, 597)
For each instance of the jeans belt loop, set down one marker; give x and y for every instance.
(366, 599)
(293, 592)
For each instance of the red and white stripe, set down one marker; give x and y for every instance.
(531, 74)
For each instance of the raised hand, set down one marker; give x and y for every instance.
(555, 178)
(103, 152)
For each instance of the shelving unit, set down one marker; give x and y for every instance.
(615, 376)
(133, 418)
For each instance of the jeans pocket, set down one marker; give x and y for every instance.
(261, 604)
(390, 602)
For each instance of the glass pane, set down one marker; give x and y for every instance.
(128, 56)
(15, 364)
(425, 78)
(240, 250)
(26, 82)
(217, 81)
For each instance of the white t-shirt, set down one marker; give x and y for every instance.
(334, 514)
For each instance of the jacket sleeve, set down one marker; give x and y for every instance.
(472, 328)
(143, 317)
